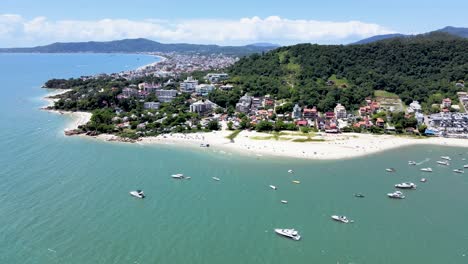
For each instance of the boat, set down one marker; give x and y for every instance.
(284, 201)
(359, 195)
(423, 180)
(412, 162)
(405, 185)
(390, 170)
(465, 166)
(290, 171)
(444, 162)
(458, 171)
(296, 182)
(396, 195)
(289, 233)
(138, 194)
(204, 145)
(340, 218)
(273, 187)
(445, 157)
(178, 176)
(216, 178)
(426, 169)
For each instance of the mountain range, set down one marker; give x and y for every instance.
(141, 45)
(454, 31)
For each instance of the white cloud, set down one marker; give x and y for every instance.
(15, 29)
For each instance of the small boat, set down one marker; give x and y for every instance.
(445, 157)
(216, 178)
(204, 145)
(296, 182)
(273, 187)
(284, 201)
(188, 178)
(178, 176)
(340, 218)
(396, 195)
(390, 170)
(138, 194)
(423, 180)
(444, 162)
(289, 233)
(465, 166)
(458, 171)
(359, 195)
(290, 171)
(426, 169)
(405, 185)
(412, 163)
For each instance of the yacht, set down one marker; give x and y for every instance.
(426, 169)
(396, 195)
(444, 162)
(412, 162)
(445, 157)
(284, 201)
(465, 166)
(423, 180)
(178, 176)
(138, 194)
(296, 182)
(340, 218)
(273, 187)
(204, 145)
(216, 178)
(290, 171)
(390, 170)
(290, 233)
(405, 185)
(359, 195)
(458, 171)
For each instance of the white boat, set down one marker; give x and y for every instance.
(340, 218)
(178, 176)
(284, 201)
(426, 169)
(138, 194)
(216, 178)
(204, 145)
(445, 157)
(390, 170)
(290, 171)
(289, 233)
(423, 180)
(444, 162)
(396, 195)
(273, 187)
(405, 185)
(465, 166)
(412, 162)
(458, 171)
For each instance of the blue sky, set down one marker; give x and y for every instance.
(29, 22)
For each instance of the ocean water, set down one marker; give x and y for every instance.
(65, 199)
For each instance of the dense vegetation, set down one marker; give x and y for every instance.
(417, 68)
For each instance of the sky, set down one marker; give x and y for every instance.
(38, 22)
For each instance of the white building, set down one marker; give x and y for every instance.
(202, 107)
(204, 89)
(340, 111)
(189, 85)
(244, 103)
(152, 105)
(297, 112)
(216, 77)
(166, 96)
(414, 107)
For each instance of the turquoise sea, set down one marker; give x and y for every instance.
(65, 199)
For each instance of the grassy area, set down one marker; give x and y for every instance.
(262, 138)
(308, 140)
(339, 82)
(234, 134)
(462, 107)
(382, 93)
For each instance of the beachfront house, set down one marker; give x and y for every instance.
(188, 85)
(310, 113)
(340, 111)
(202, 107)
(244, 104)
(414, 107)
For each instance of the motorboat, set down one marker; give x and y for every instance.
(423, 180)
(290, 171)
(296, 182)
(138, 194)
(390, 170)
(216, 178)
(458, 171)
(204, 145)
(284, 201)
(412, 163)
(273, 187)
(289, 233)
(178, 176)
(445, 157)
(340, 218)
(443, 162)
(359, 195)
(405, 185)
(426, 169)
(465, 166)
(396, 195)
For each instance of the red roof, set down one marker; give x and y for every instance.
(301, 123)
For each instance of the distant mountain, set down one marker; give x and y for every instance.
(454, 31)
(139, 45)
(264, 44)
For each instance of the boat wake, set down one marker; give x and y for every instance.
(422, 162)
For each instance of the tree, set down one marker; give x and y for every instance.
(230, 125)
(213, 125)
(264, 126)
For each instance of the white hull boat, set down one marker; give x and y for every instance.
(216, 178)
(405, 185)
(178, 176)
(445, 163)
(289, 233)
(396, 195)
(273, 187)
(458, 171)
(426, 169)
(340, 218)
(445, 157)
(137, 194)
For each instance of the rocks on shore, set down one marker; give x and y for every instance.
(73, 132)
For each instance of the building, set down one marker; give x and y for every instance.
(166, 96)
(226, 87)
(340, 111)
(202, 107)
(420, 117)
(446, 103)
(414, 107)
(152, 105)
(149, 87)
(330, 115)
(297, 112)
(129, 92)
(204, 89)
(189, 85)
(310, 113)
(216, 77)
(244, 104)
